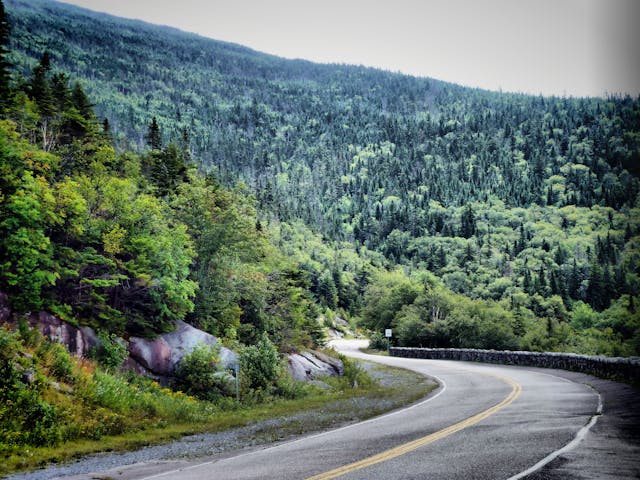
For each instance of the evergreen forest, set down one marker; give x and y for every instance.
(150, 175)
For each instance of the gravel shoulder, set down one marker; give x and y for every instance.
(408, 387)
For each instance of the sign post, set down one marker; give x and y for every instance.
(388, 333)
(237, 372)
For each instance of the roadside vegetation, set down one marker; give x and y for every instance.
(55, 407)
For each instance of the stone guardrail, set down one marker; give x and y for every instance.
(616, 368)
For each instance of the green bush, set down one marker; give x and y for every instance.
(111, 352)
(10, 345)
(354, 374)
(377, 341)
(58, 360)
(25, 418)
(260, 365)
(198, 374)
(287, 387)
(30, 336)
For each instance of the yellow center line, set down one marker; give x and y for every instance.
(420, 442)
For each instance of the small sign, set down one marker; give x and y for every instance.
(387, 332)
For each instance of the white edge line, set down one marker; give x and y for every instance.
(442, 383)
(569, 446)
(579, 435)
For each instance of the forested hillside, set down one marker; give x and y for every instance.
(521, 210)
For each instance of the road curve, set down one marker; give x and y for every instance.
(484, 422)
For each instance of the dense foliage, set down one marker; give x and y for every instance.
(48, 397)
(524, 208)
(128, 243)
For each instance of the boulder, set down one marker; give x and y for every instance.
(310, 365)
(335, 363)
(162, 354)
(131, 365)
(154, 355)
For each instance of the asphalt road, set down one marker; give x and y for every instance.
(484, 422)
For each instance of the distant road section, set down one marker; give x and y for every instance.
(484, 422)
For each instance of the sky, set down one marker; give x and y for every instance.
(548, 47)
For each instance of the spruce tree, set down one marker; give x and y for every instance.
(154, 140)
(60, 90)
(80, 101)
(40, 88)
(468, 222)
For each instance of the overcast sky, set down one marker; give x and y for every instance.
(553, 47)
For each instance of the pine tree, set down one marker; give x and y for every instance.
(468, 222)
(526, 282)
(40, 88)
(185, 144)
(442, 257)
(153, 137)
(60, 90)
(541, 282)
(5, 66)
(574, 280)
(80, 101)
(596, 288)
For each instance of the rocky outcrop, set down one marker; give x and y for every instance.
(338, 328)
(158, 357)
(78, 340)
(310, 365)
(161, 354)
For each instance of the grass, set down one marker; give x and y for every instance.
(321, 409)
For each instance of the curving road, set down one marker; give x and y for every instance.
(484, 422)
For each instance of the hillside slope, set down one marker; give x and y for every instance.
(528, 201)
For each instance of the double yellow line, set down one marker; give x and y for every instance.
(516, 389)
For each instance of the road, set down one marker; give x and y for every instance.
(484, 422)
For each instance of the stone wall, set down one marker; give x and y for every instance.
(625, 369)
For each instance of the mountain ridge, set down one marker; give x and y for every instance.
(497, 194)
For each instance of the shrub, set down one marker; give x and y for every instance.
(198, 374)
(356, 376)
(377, 341)
(260, 365)
(289, 388)
(10, 345)
(58, 360)
(25, 419)
(30, 336)
(111, 352)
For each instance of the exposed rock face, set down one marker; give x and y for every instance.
(311, 365)
(339, 328)
(161, 354)
(157, 358)
(78, 340)
(154, 355)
